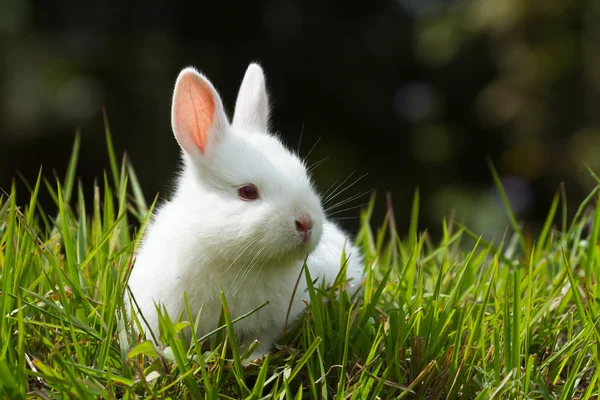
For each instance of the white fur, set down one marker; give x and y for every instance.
(206, 237)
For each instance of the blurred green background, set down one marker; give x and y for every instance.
(413, 92)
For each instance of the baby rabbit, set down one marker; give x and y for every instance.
(244, 217)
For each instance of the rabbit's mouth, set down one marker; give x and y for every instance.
(293, 253)
(307, 243)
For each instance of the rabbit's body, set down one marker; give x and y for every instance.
(215, 234)
(168, 274)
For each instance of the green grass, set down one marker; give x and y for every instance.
(455, 318)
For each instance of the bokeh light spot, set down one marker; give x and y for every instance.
(433, 144)
(414, 101)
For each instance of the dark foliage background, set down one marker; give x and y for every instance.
(414, 92)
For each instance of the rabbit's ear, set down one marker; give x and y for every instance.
(197, 115)
(252, 106)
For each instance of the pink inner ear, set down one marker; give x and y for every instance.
(195, 108)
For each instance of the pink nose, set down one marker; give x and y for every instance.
(304, 224)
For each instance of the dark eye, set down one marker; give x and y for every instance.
(248, 192)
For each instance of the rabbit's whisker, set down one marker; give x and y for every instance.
(334, 189)
(315, 165)
(300, 141)
(312, 148)
(257, 275)
(348, 209)
(346, 201)
(346, 188)
(251, 265)
(232, 284)
(252, 241)
(248, 265)
(329, 188)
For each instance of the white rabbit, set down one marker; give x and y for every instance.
(244, 217)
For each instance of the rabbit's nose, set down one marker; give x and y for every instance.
(304, 225)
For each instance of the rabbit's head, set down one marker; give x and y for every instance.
(250, 195)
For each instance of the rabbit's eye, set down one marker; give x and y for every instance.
(248, 192)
